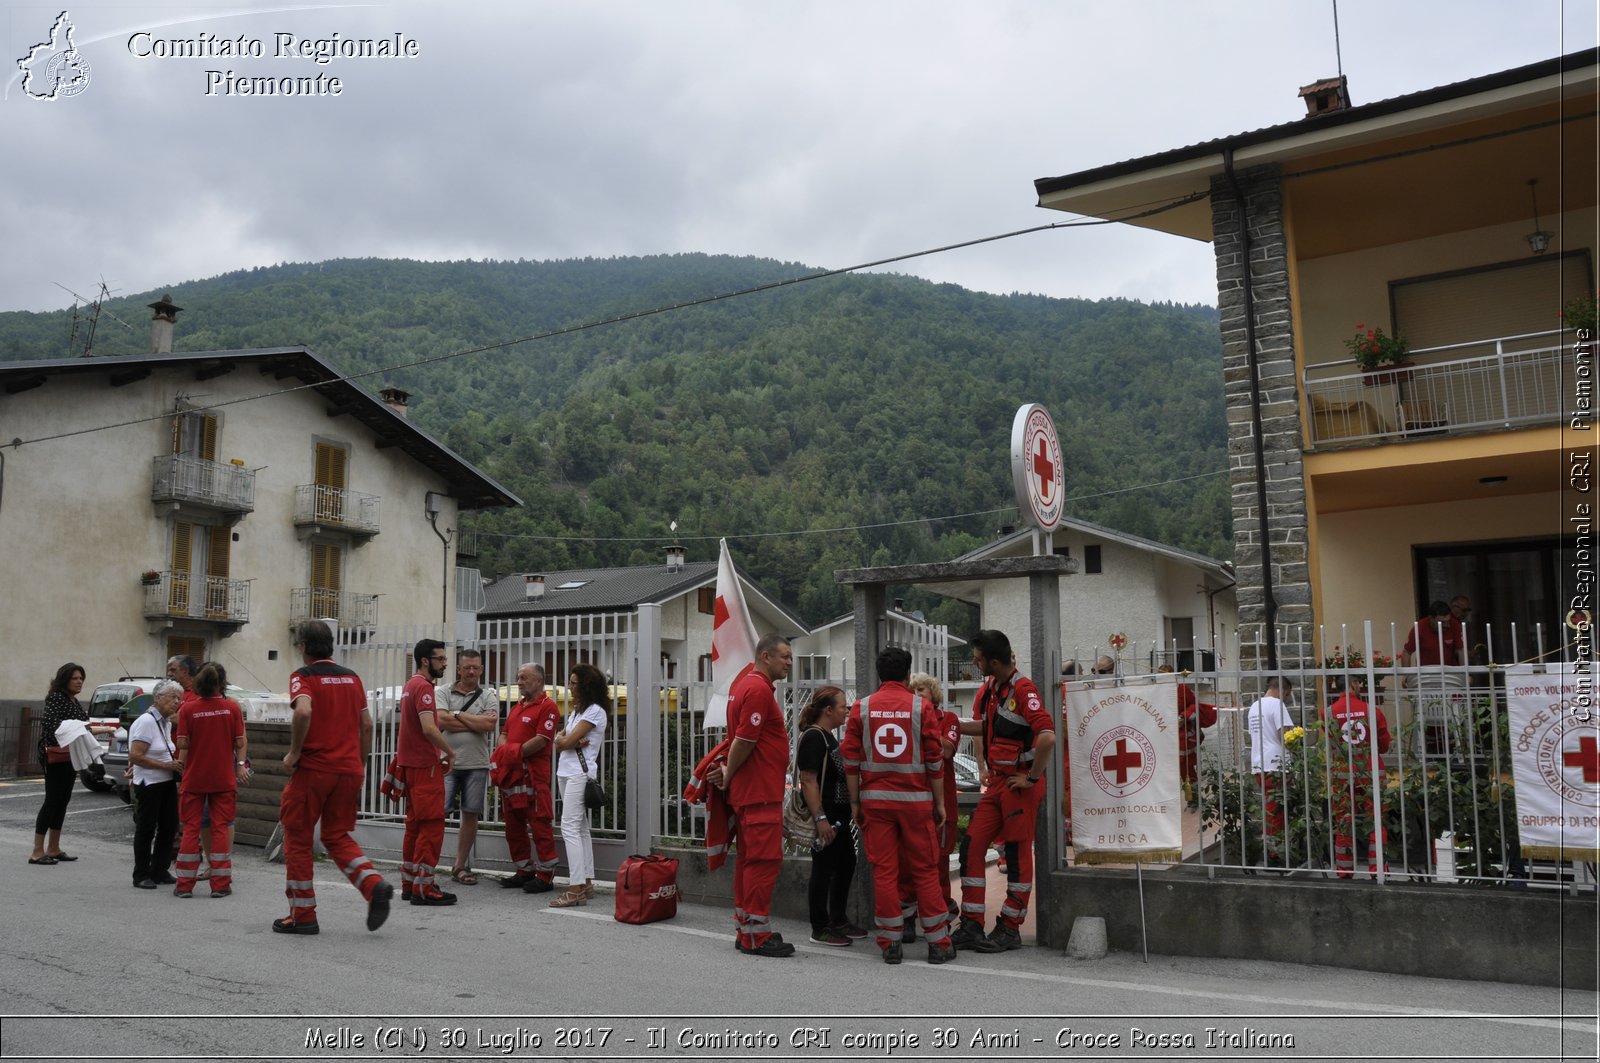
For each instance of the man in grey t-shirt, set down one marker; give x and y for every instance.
(468, 713)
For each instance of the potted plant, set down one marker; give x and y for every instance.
(149, 577)
(1580, 315)
(1373, 349)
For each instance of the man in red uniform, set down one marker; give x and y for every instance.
(1018, 737)
(949, 737)
(758, 761)
(529, 810)
(1435, 639)
(422, 745)
(330, 738)
(894, 766)
(1356, 728)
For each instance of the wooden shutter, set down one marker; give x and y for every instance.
(217, 557)
(186, 645)
(195, 434)
(330, 483)
(182, 551)
(208, 437)
(326, 571)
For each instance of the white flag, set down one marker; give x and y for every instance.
(733, 640)
(1127, 800)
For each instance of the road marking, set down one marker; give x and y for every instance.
(1577, 1024)
(101, 808)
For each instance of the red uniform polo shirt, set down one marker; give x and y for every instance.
(1018, 697)
(211, 725)
(415, 751)
(534, 719)
(333, 741)
(754, 716)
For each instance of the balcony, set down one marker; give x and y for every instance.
(319, 508)
(180, 480)
(1482, 386)
(349, 609)
(187, 596)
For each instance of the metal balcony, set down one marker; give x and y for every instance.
(188, 596)
(178, 478)
(350, 609)
(1486, 385)
(317, 506)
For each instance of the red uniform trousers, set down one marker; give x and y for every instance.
(1008, 815)
(530, 830)
(1351, 798)
(759, 828)
(944, 845)
(187, 866)
(1269, 785)
(900, 840)
(309, 796)
(424, 837)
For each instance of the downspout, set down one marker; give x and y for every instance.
(444, 586)
(1268, 599)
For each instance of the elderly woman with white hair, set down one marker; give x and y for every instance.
(154, 760)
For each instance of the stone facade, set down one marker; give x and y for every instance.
(1281, 542)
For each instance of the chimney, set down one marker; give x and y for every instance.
(899, 605)
(161, 324)
(1326, 96)
(534, 590)
(675, 558)
(395, 399)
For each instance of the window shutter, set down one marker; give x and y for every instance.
(182, 551)
(326, 570)
(186, 645)
(330, 466)
(217, 555)
(208, 438)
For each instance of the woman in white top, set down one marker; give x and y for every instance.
(588, 709)
(154, 760)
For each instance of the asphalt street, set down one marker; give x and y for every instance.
(95, 969)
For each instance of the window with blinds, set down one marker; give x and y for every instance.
(219, 545)
(186, 646)
(182, 566)
(195, 435)
(330, 482)
(327, 578)
(1508, 299)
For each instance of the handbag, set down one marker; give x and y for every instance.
(57, 755)
(799, 825)
(594, 795)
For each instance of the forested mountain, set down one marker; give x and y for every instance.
(864, 402)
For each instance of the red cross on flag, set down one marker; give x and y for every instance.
(1122, 749)
(1555, 760)
(733, 640)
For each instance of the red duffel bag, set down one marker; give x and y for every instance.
(647, 889)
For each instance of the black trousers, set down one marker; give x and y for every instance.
(58, 782)
(832, 868)
(155, 825)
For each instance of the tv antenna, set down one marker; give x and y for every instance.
(97, 307)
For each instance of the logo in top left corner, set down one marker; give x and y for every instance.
(54, 69)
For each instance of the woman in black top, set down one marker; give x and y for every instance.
(820, 769)
(61, 703)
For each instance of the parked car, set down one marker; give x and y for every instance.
(968, 778)
(112, 707)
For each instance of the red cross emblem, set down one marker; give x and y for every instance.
(1587, 757)
(1044, 470)
(1122, 761)
(890, 740)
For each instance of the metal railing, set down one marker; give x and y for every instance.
(470, 597)
(196, 597)
(350, 609)
(337, 507)
(1502, 383)
(180, 478)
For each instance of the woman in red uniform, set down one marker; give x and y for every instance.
(211, 748)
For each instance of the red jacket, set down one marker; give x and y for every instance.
(720, 823)
(509, 772)
(1351, 717)
(1195, 714)
(892, 741)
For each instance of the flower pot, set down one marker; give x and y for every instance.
(1397, 373)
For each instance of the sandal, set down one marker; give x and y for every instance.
(203, 875)
(465, 876)
(573, 897)
(42, 861)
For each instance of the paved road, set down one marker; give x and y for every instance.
(503, 975)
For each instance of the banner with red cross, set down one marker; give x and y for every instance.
(1127, 797)
(1555, 760)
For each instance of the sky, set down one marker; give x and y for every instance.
(826, 133)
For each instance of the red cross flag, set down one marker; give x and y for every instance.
(1555, 761)
(1127, 800)
(733, 640)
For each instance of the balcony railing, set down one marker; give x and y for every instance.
(186, 595)
(336, 507)
(469, 590)
(350, 609)
(180, 478)
(1485, 385)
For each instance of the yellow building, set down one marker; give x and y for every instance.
(1462, 218)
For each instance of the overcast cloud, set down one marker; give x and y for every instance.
(826, 132)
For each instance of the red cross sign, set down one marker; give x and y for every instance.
(1037, 471)
(1122, 761)
(1587, 757)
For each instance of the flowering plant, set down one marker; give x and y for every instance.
(1354, 660)
(1372, 347)
(150, 575)
(1293, 735)
(1581, 313)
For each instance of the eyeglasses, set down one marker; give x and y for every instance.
(440, 657)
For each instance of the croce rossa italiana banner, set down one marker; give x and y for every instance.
(1122, 744)
(1555, 760)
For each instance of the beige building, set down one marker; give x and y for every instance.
(203, 502)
